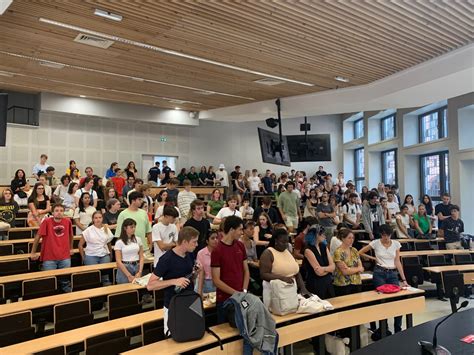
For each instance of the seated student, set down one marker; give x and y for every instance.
(388, 265)
(130, 185)
(245, 210)
(204, 283)
(51, 179)
(301, 232)
(262, 232)
(56, 243)
(347, 278)
(277, 263)
(112, 213)
(72, 166)
(40, 168)
(8, 210)
(215, 204)
(131, 170)
(183, 174)
(352, 213)
(318, 263)
(88, 185)
(128, 253)
(18, 185)
(453, 227)
(230, 210)
(39, 206)
(83, 213)
(185, 197)
(249, 243)
(110, 193)
(193, 176)
(75, 176)
(403, 224)
(198, 222)
(147, 205)
(110, 173)
(137, 185)
(176, 270)
(422, 223)
(164, 233)
(48, 191)
(311, 204)
(97, 238)
(62, 189)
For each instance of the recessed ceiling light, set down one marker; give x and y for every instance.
(82, 96)
(108, 15)
(341, 78)
(51, 64)
(7, 74)
(169, 51)
(177, 108)
(4, 4)
(16, 55)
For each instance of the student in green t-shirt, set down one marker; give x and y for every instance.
(143, 227)
(422, 222)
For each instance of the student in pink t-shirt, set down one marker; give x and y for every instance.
(56, 243)
(204, 283)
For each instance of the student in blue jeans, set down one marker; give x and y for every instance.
(388, 266)
(56, 245)
(97, 238)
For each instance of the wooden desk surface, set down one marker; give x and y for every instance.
(433, 252)
(410, 240)
(460, 268)
(224, 331)
(27, 240)
(23, 229)
(77, 335)
(24, 256)
(65, 297)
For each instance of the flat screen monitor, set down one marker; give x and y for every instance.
(317, 147)
(269, 144)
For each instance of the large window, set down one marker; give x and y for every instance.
(359, 168)
(359, 128)
(388, 127)
(435, 174)
(389, 167)
(433, 125)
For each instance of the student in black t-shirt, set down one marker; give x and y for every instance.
(154, 173)
(453, 226)
(8, 210)
(112, 213)
(176, 269)
(165, 170)
(199, 222)
(443, 211)
(267, 208)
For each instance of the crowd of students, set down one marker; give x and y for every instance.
(253, 243)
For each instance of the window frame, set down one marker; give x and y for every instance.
(382, 132)
(357, 177)
(384, 173)
(444, 178)
(355, 130)
(442, 125)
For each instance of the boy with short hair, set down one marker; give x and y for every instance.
(185, 197)
(165, 233)
(172, 190)
(52, 180)
(453, 226)
(230, 210)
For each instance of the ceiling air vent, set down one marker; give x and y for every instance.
(269, 82)
(93, 41)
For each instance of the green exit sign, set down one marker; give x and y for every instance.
(163, 139)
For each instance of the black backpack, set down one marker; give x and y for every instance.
(186, 320)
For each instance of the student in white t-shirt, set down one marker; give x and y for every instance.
(388, 265)
(83, 214)
(128, 253)
(87, 187)
(230, 210)
(254, 182)
(97, 238)
(40, 167)
(165, 233)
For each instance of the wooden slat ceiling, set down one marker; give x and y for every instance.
(308, 41)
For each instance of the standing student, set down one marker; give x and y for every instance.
(83, 214)
(347, 278)
(165, 172)
(352, 213)
(215, 204)
(143, 225)
(56, 243)
(443, 212)
(262, 232)
(38, 204)
(112, 213)
(110, 173)
(185, 197)
(128, 187)
(87, 186)
(97, 238)
(176, 268)
(372, 215)
(119, 181)
(230, 210)
(165, 233)
(230, 271)
(268, 209)
(452, 228)
(154, 174)
(204, 283)
(197, 221)
(289, 206)
(222, 177)
(326, 215)
(171, 189)
(131, 169)
(128, 253)
(69, 201)
(388, 265)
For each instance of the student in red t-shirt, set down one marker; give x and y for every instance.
(119, 181)
(56, 245)
(230, 272)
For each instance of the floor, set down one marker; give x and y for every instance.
(434, 309)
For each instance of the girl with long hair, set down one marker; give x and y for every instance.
(39, 205)
(128, 253)
(83, 213)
